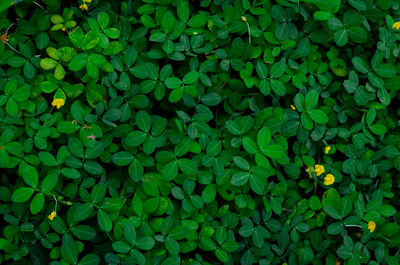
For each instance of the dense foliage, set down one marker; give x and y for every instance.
(199, 132)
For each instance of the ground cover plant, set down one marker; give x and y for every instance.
(199, 132)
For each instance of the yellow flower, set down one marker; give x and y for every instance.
(58, 102)
(319, 169)
(396, 25)
(244, 18)
(329, 179)
(327, 149)
(52, 215)
(371, 226)
(83, 7)
(292, 107)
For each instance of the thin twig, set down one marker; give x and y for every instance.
(36, 3)
(222, 86)
(12, 48)
(12, 24)
(55, 207)
(248, 28)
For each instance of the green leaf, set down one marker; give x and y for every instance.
(83, 232)
(360, 65)
(331, 6)
(5, 5)
(172, 246)
(318, 116)
(332, 212)
(83, 212)
(29, 70)
(22, 93)
(104, 220)
(168, 22)
(378, 129)
(67, 127)
(78, 62)
(358, 4)
(249, 145)
(278, 87)
(103, 19)
(170, 171)
(263, 137)
(221, 255)
(112, 33)
(176, 95)
(357, 34)
(90, 40)
(69, 249)
(143, 121)
(29, 174)
(48, 63)
(76, 36)
(11, 107)
(198, 21)
(345, 252)
(135, 138)
(276, 206)
(22, 194)
(322, 15)
(183, 10)
(385, 70)
(191, 77)
(37, 203)
(47, 159)
(71, 173)
(241, 163)
(340, 37)
(16, 61)
(187, 166)
(145, 243)
(90, 259)
(209, 193)
(172, 82)
(273, 151)
(211, 99)
(50, 181)
(306, 255)
(311, 100)
(240, 178)
(121, 247)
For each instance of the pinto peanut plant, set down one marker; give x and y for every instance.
(199, 132)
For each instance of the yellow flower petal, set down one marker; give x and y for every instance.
(244, 18)
(87, 1)
(319, 169)
(396, 25)
(292, 107)
(83, 7)
(52, 215)
(58, 102)
(371, 226)
(329, 179)
(327, 149)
